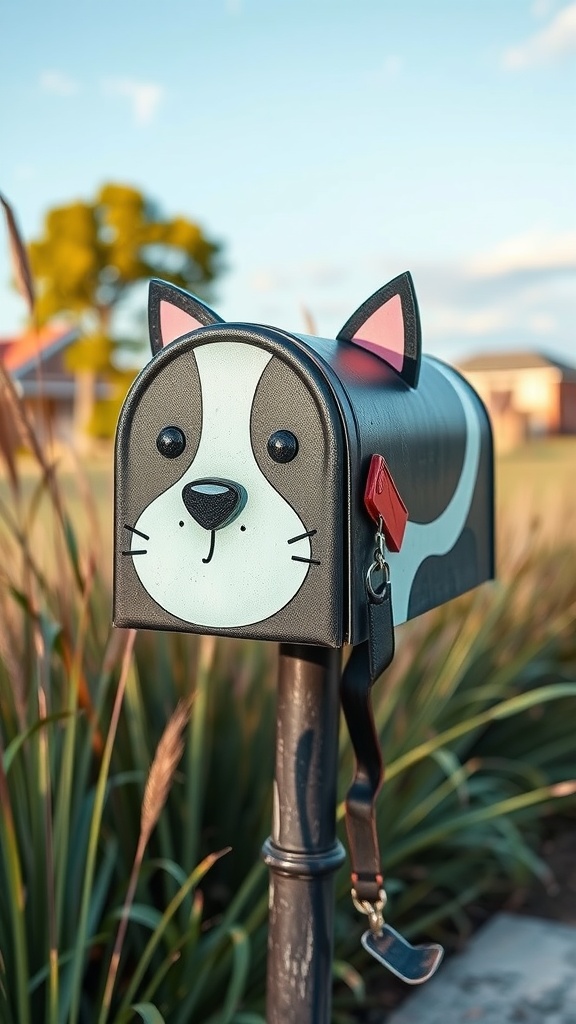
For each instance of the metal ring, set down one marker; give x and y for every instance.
(373, 911)
(378, 596)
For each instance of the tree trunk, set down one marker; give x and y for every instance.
(84, 400)
(85, 391)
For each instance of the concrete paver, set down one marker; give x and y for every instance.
(516, 970)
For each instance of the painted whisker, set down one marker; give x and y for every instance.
(311, 561)
(141, 552)
(302, 536)
(137, 532)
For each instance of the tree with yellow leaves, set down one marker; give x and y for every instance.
(87, 259)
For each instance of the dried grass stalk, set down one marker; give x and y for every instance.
(309, 320)
(163, 768)
(9, 433)
(19, 258)
(20, 421)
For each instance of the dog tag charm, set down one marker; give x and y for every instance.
(412, 964)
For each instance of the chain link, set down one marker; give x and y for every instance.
(373, 911)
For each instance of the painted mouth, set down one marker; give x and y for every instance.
(208, 559)
(211, 552)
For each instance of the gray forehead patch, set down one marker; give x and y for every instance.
(172, 398)
(283, 401)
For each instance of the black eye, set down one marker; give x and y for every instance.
(171, 442)
(282, 446)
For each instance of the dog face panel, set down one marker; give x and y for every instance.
(226, 533)
(187, 567)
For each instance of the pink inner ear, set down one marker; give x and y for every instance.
(175, 322)
(383, 333)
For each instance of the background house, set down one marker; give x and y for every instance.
(36, 362)
(527, 394)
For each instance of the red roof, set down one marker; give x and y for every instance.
(30, 348)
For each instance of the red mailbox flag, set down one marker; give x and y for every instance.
(383, 501)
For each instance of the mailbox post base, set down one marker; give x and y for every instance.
(303, 852)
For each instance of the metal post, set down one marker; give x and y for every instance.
(303, 852)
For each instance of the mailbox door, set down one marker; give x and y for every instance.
(230, 491)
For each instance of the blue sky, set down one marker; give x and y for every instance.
(329, 144)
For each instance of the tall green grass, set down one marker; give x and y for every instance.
(135, 775)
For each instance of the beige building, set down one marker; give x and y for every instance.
(527, 394)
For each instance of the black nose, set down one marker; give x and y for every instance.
(214, 503)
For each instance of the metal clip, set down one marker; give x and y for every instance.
(373, 911)
(380, 551)
(378, 565)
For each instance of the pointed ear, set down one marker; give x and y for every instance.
(172, 313)
(388, 325)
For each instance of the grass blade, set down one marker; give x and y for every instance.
(16, 897)
(192, 881)
(78, 962)
(149, 1013)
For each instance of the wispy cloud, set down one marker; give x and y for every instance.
(316, 274)
(389, 68)
(542, 8)
(536, 251)
(450, 321)
(144, 97)
(57, 83)
(519, 292)
(510, 319)
(391, 65)
(554, 42)
(265, 281)
(25, 172)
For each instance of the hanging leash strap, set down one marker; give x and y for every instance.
(367, 661)
(413, 964)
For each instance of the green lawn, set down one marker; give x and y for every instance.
(536, 487)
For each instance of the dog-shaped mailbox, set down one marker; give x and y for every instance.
(242, 459)
(264, 480)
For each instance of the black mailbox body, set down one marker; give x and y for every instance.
(241, 461)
